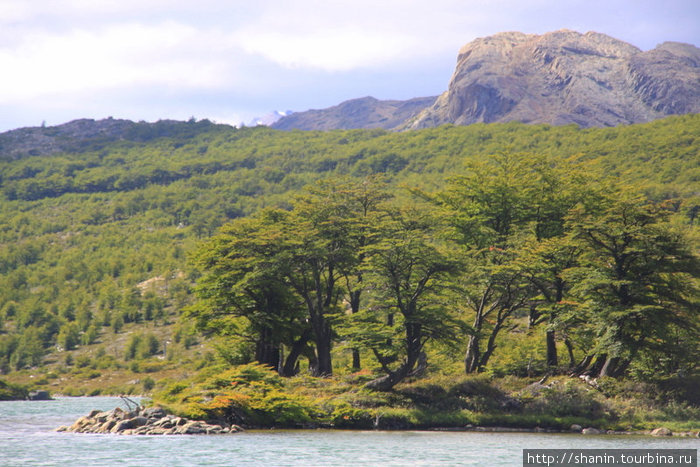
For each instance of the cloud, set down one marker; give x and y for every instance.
(168, 54)
(325, 49)
(342, 36)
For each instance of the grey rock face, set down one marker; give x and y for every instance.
(566, 77)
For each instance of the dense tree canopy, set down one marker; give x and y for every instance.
(96, 237)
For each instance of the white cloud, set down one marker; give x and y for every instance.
(120, 55)
(330, 50)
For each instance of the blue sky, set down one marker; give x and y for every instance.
(231, 61)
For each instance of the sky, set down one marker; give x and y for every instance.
(233, 61)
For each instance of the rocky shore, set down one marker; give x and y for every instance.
(144, 421)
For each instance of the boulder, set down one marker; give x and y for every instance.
(591, 431)
(106, 427)
(139, 421)
(154, 412)
(39, 396)
(79, 424)
(122, 426)
(576, 428)
(662, 431)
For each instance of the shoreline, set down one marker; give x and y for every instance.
(156, 421)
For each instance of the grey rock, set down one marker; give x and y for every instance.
(663, 431)
(139, 421)
(576, 428)
(122, 426)
(565, 77)
(591, 431)
(39, 396)
(154, 412)
(106, 427)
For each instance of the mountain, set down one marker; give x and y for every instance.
(566, 77)
(366, 112)
(561, 77)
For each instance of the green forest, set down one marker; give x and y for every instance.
(364, 261)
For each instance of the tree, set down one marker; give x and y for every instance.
(358, 207)
(243, 278)
(545, 263)
(68, 336)
(408, 268)
(318, 254)
(548, 253)
(637, 283)
(488, 210)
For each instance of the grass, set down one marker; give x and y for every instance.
(255, 397)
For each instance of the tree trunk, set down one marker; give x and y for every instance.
(473, 355)
(614, 367)
(552, 359)
(267, 352)
(323, 349)
(354, 308)
(414, 354)
(581, 367)
(387, 382)
(290, 367)
(570, 350)
(356, 364)
(597, 367)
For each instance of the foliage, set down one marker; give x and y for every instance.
(10, 392)
(96, 237)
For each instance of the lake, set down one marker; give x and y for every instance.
(26, 438)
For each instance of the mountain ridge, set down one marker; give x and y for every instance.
(364, 112)
(558, 78)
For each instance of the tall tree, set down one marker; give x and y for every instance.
(243, 279)
(356, 207)
(488, 209)
(637, 283)
(408, 270)
(557, 188)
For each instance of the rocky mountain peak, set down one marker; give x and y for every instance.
(566, 77)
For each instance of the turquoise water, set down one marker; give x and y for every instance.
(26, 438)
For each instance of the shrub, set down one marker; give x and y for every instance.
(345, 416)
(148, 384)
(278, 408)
(570, 401)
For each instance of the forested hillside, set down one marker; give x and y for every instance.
(96, 239)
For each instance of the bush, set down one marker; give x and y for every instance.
(277, 408)
(10, 391)
(345, 416)
(148, 384)
(568, 401)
